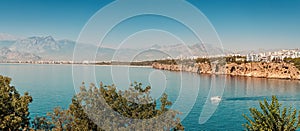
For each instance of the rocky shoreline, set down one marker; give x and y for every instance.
(254, 69)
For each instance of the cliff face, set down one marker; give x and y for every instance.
(257, 69)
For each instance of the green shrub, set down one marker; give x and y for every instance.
(271, 118)
(13, 107)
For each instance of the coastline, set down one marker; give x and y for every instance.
(258, 70)
(65, 64)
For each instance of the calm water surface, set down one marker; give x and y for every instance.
(52, 85)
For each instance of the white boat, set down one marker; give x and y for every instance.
(216, 99)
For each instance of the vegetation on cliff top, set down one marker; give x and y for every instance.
(295, 61)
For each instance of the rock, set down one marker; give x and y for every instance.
(254, 69)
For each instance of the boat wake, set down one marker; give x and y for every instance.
(246, 98)
(260, 98)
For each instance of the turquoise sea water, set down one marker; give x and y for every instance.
(52, 85)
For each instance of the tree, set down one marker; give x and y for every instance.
(13, 107)
(106, 108)
(271, 118)
(81, 120)
(60, 119)
(41, 123)
(295, 61)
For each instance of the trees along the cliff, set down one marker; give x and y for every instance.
(13, 107)
(272, 118)
(295, 61)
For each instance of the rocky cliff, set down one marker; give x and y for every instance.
(255, 69)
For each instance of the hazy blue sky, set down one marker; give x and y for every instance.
(241, 24)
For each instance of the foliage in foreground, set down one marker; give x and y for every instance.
(13, 107)
(103, 109)
(271, 118)
(92, 108)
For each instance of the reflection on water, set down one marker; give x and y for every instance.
(262, 87)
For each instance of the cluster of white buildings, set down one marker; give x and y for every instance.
(273, 56)
(253, 57)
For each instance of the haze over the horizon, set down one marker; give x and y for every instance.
(241, 25)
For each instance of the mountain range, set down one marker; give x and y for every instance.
(8, 37)
(48, 48)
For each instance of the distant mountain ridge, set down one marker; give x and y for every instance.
(7, 54)
(191, 50)
(8, 37)
(48, 48)
(36, 45)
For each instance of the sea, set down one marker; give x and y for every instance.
(55, 85)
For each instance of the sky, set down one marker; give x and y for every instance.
(240, 24)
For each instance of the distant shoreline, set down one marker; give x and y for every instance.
(135, 63)
(77, 64)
